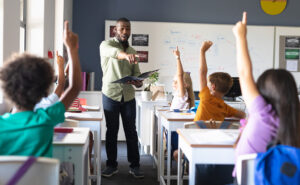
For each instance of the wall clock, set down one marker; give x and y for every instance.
(273, 7)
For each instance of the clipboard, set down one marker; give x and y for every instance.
(141, 77)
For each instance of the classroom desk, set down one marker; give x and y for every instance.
(201, 146)
(92, 120)
(73, 147)
(145, 114)
(170, 121)
(155, 150)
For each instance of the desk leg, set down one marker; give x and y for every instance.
(169, 158)
(97, 158)
(161, 157)
(159, 146)
(192, 172)
(179, 167)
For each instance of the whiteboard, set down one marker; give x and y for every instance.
(164, 37)
(286, 31)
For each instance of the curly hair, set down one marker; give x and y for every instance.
(222, 81)
(25, 79)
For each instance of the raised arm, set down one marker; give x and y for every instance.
(244, 67)
(179, 74)
(203, 66)
(61, 76)
(71, 43)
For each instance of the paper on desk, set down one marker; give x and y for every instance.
(90, 107)
(77, 115)
(215, 137)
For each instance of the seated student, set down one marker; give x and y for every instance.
(212, 106)
(25, 79)
(273, 103)
(54, 97)
(183, 95)
(182, 86)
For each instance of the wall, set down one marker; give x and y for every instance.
(10, 35)
(89, 17)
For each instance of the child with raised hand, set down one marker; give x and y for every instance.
(182, 86)
(212, 106)
(273, 103)
(54, 97)
(183, 95)
(25, 79)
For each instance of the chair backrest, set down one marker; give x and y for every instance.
(245, 169)
(45, 171)
(212, 124)
(190, 125)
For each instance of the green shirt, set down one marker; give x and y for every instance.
(114, 69)
(30, 133)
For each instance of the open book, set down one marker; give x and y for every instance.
(142, 76)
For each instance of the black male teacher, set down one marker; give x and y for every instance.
(118, 59)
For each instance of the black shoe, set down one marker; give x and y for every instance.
(109, 171)
(136, 172)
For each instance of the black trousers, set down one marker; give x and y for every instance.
(112, 111)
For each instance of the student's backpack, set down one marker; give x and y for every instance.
(279, 165)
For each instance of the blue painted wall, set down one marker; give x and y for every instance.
(89, 17)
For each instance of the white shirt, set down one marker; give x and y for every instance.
(47, 101)
(180, 102)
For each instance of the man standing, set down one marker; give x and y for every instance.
(118, 59)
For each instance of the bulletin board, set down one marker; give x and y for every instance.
(286, 48)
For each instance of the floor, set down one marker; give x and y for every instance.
(123, 177)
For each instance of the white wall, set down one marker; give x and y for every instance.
(9, 34)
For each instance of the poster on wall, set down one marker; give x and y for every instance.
(143, 56)
(140, 39)
(292, 42)
(291, 53)
(111, 31)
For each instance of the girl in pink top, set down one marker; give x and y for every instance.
(272, 102)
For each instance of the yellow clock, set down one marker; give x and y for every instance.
(273, 7)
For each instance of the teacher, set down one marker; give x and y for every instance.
(118, 59)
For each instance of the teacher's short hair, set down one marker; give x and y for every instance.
(123, 19)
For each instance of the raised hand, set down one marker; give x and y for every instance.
(59, 60)
(176, 52)
(70, 38)
(206, 45)
(240, 28)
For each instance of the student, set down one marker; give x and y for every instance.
(54, 97)
(25, 79)
(183, 95)
(273, 103)
(182, 86)
(212, 106)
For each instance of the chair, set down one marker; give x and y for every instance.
(44, 171)
(245, 169)
(213, 124)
